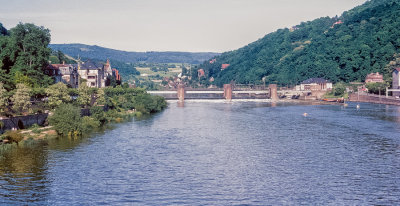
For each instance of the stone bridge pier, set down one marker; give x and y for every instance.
(273, 92)
(181, 92)
(228, 91)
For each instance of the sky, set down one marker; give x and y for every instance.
(166, 25)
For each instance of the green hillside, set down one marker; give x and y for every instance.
(97, 52)
(365, 42)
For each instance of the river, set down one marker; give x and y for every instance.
(218, 153)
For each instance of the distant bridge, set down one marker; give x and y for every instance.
(226, 93)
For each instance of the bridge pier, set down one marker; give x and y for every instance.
(273, 92)
(228, 91)
(181, 92)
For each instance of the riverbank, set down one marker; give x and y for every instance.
(79, 117)
(13, 139)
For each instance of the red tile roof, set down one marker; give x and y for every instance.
(224, 66)
(200, 72)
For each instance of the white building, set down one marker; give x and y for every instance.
(315, 84)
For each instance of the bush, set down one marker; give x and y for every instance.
(66, 119)
(13, 136)
(339, 89)
(146, 103)
(98, 114)
(88, 124)
(35, 128)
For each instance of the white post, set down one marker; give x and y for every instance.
(387, 92)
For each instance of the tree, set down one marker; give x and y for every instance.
(84, 95)
(21, 99)
(3, 98)
(30, 44)
(66, 119)
(3, 31)
(58, 94)
(375, 88)
(101, 98)
(24, 54)
(339, 89)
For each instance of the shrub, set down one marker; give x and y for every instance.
(98, 114)
(339, 89)
(13, 136)
(35, 128)
(88, 124)
(66, 119)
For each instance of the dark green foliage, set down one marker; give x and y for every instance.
(24, 55)
(98, 114)
(3, 31)
(364, 43)
(66, 119)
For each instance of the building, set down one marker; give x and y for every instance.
(115, 73)
(396, 81)
(201, 73)
(315, 84)
(374, 78)
(293, 28)
(224, 66)
(95, 74)
(65, 73)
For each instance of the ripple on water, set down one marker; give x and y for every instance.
(219, 153)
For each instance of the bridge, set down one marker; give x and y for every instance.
(228, 93)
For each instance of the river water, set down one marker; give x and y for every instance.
(218, 153)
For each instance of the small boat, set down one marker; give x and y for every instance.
(329, 100)
(339, 100)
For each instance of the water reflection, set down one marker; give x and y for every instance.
(23, 175)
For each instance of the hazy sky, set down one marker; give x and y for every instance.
(166, 25)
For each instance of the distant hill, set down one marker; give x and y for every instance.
(97, 52)
(346, 48)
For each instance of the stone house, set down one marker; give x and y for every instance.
(93, 73)
(65, 73)
(96, 74)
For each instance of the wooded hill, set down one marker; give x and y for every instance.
(346, 48)
(97, 52)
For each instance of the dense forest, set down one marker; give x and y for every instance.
(97, 52)
(346, 48)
